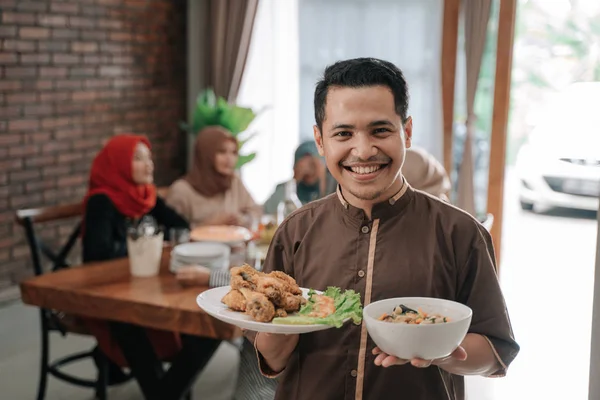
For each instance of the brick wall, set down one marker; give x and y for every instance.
(73, 73)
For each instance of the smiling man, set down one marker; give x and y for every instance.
(382, 238)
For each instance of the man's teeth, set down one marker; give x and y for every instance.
(365, 170)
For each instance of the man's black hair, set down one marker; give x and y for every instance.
(358, 73)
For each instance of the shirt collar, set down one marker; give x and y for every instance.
(383, 209)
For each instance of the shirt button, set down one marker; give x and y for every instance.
(353, 373)
(365, 229)
(361, 273)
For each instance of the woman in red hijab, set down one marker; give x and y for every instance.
(211, 193)
(121, 191)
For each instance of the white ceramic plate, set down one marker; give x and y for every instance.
(230, 235)
(202, 250)
(210, 301)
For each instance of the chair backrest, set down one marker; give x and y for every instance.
(28, 219)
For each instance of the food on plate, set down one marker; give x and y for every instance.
(405, 315)
(332, 307)
(263, 296)
(277, 298)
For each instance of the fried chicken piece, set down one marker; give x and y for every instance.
(291, 302)
(258, 306)
(290, 283)
(235, 300)
(244, 277)
(281, 313)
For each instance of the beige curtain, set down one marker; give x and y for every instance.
(476, 16)
(230, 31)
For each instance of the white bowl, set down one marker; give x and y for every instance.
(429, 341)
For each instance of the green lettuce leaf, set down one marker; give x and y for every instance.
(347, 306)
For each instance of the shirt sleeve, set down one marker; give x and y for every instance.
(168, 217)
(98, 227)
(480, 290)
(178, 201)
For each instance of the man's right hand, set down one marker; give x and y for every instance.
(276, 349)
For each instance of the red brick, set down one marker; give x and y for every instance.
(83, 72)
(36, 58)
(53, 46)
(96, 83)
(65, 33)
(85, 144)
(8, 139)
(68, 133)
(23, 124)
(84, 47)
(26, 201)
(19, 98)
(23, 250)
(94, 11)
(113, 48)
(110, 2)
(10, 111)
(23, 176)
(70, 107)
(10, 85)
(52, 147)
(55, 170)
(18, 45)
(8, 58)
(53, 72)
(59, 21)
(72, 180)
(121, 37)
(32, 5)
(68, 8)
(65, 59)
(123, 60)
(38, 109)
(8, 31)
(69, 157)
(49, 123)
(93, 35)
(38, 137)
(84, 96)
(11, 165)
(40, 161)
(110, 24)
(68, 84)
(112, 71)
(18, 18)
(23, 150)
(44, 85)
(19, 72)
(54, 96)
(34, 33)
(81, 22)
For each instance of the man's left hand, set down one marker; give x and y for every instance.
(385, 360)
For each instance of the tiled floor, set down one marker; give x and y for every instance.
(19, 361)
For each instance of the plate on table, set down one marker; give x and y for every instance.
(230, 235)
(210, 301)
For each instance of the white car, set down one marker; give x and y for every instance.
(559, 166)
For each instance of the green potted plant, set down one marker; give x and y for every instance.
(211, 110)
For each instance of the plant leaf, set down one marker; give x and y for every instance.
(245, 159)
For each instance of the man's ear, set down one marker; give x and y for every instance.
(318, 140)
(408, 132)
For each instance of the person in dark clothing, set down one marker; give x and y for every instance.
(121, 192)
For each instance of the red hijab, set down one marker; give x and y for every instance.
(111, 174)
(203, 176)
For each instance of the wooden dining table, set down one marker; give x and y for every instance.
(107, 291)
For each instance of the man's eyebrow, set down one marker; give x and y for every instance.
(342, 126)
(380, 122)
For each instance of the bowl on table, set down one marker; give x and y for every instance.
(426, 341)
(209, 254)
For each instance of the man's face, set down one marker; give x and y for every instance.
(363, 141)
(307, 169)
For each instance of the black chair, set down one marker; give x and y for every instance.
(51, 320)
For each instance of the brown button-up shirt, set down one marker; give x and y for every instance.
(414, 245)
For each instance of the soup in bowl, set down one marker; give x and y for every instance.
(417, 327)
